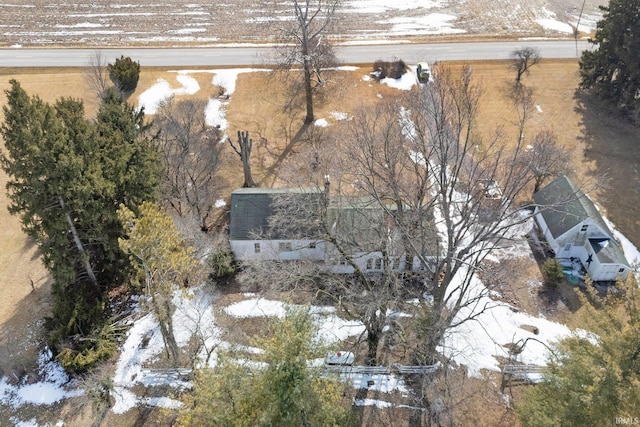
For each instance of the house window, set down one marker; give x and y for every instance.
(568, 247)
(285, 247)
(369, 263)
(256, 248)
(621, 270)
(584, 227)
(312, 245)
(378, 263)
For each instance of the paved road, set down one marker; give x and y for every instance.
(248, 56)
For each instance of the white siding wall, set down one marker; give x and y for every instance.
(602, 272)
(245, 250)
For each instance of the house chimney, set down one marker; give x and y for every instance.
(327, 186)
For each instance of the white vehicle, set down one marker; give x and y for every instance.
(342, 358)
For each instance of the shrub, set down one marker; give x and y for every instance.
(553, 273)
(392, 69)
(124, 74)
(222, 263)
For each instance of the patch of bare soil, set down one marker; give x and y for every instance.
(516, 281)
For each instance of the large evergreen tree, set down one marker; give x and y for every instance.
(66, 177)
(613, 67)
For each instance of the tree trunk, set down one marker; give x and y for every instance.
(163, 313)
(76, 239)
(308, 91)
(245, 144)
(373, 339)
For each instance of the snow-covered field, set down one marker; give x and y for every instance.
(102, 23)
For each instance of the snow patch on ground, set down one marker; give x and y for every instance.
(372, 402)
(338, 115)
(53, 386)
(476, 343)
(433, 23)
(152, 98)
(405, 82)
(549, 22)
(193, 316)
(331, 327)
(215, 114)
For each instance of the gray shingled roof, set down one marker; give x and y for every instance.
(563, 206)
(356, 221)
(252, 207)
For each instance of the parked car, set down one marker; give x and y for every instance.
(424, 72)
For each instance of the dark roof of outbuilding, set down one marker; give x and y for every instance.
(563, 206)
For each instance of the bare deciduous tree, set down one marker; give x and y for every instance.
(303, 44)
(523, 59)
(245, 145)
(97, 74)
(545, 158)
(359, 276)
(191, 156)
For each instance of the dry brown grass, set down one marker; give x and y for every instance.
(600, 142)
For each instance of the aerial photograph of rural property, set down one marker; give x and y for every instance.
(310, 213)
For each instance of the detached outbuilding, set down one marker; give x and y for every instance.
(575, 230)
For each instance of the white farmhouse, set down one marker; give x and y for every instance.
(574, 229)
(251, 235)
(357, 225)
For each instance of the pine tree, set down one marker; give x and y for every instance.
(124, 73)
(593, 379)
(67, 176)
(162, 259)
(613, 67)
(287, 392)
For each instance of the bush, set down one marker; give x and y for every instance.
(222, 263)
(392, 69)
(553, 273)
(124, 74)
